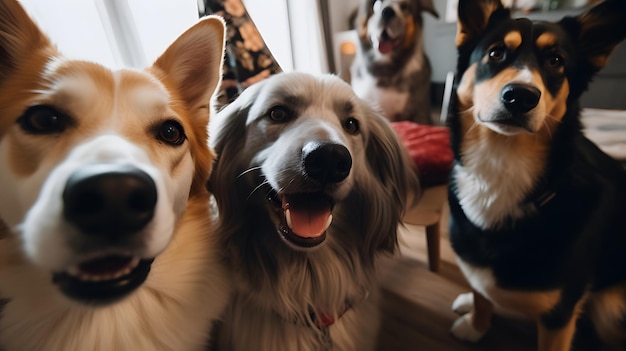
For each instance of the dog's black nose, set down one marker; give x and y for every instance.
(108, 199)
(388, 13)
(326, 162)
(520, 98)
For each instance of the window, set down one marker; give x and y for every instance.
(132, 33)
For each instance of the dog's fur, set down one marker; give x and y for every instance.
(296, 136)
(538, 212)
(99, 166)
(390, 66)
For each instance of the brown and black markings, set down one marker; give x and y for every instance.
(537, 211)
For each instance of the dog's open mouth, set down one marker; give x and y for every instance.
(386, 43)
(304, 218)
(104, 279)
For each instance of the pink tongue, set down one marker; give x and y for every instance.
(309, 215)
(385, 46)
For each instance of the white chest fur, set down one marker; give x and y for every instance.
(388, 100)
(490, 186)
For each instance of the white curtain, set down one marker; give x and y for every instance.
(307, 40)
(292, 30)
(136, 31)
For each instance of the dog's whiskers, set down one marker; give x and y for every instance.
(546, 122)
(257, 188)
(475, 123)
(251, 169)
(472, 127)
(468, 110)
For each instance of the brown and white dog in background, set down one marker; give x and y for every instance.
(108, 242)
(390, 66)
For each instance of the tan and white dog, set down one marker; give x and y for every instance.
(390, 66)
(108, 242)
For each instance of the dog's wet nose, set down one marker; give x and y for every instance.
(106, 199)
(520, 98)
(388, 13)
(326, 162)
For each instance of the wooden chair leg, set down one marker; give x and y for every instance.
(433, 243)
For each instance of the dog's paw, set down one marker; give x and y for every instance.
(463, 329)
(463, 303)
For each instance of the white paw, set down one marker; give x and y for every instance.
(462, 329)
(463, 303)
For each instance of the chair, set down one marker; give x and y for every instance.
(429, 147)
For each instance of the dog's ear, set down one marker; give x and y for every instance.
(599, 31)
(428, 6)
(20, 37)
(231, 120)
(227, 131)
(396, 178)
(193, 63)
(473, 17)
(389, 159)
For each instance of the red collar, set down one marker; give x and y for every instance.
(323, 320)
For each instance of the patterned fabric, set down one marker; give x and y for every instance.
(248, 60)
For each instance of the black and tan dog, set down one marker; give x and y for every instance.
(538, 212)
(390, 67)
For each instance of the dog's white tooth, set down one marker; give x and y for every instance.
(120, 273)
(123, 272)
(288, 217)
(330, 220)
(73, 271)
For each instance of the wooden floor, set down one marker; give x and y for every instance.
(416, 304)
(417, 314)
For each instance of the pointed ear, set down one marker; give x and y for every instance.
(602, 28)
(193, 63)
(428, 6)
(473, 17)
(19, 37)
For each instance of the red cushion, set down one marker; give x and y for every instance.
(429, 147)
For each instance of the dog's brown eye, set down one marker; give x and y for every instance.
(351, 125)
(555, 61)
(279, 114)
(171, 132)
(43, 120)
(497, 54)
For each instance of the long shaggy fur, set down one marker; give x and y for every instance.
(281, 290)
